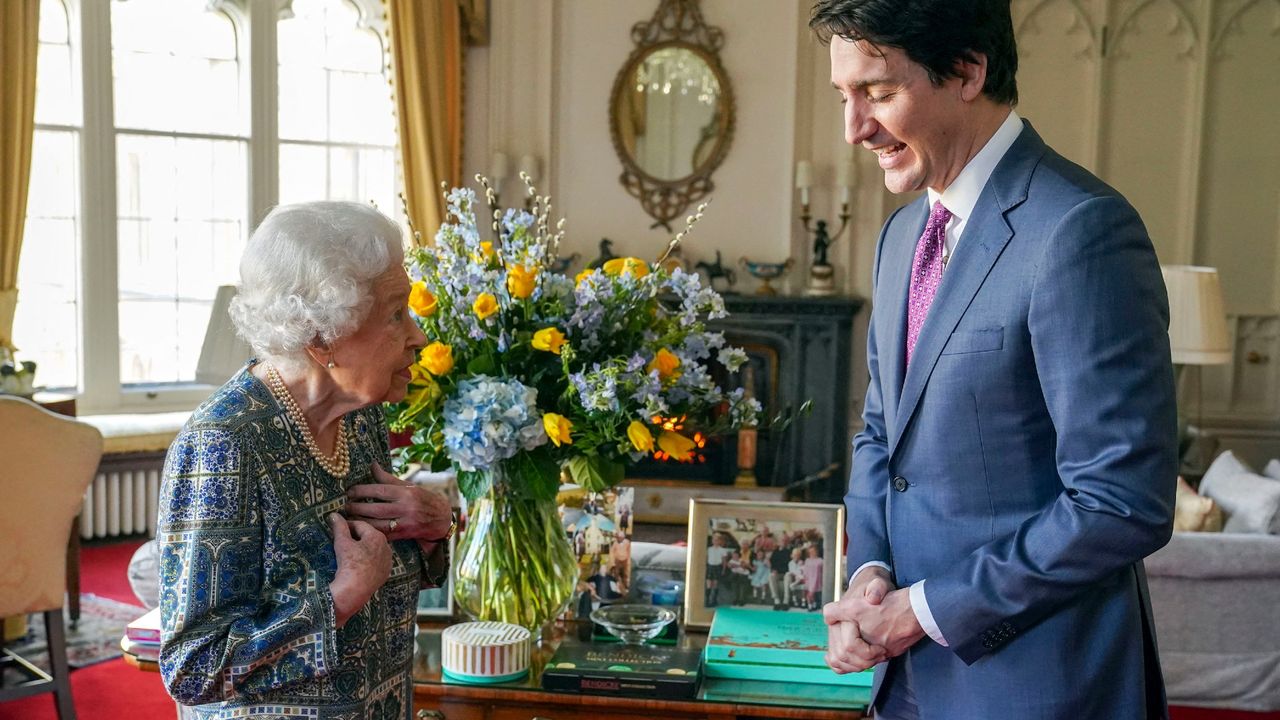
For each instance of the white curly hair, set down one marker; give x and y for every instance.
(307, 274)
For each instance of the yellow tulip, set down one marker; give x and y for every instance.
(485, 305)
(421, 301)
(640, 437)
(628, 265)
(437, 358)
(485, 256)
(520, 281)
(558, 427)
(577, 279)
(665, 363)
(676, 445)
(549, 340)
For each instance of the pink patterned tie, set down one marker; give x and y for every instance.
(926, 273)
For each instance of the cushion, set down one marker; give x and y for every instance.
(144, 574)
(1251, 501)
(1272, 470)
(1195, 513)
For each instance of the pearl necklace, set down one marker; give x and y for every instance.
(338, 464)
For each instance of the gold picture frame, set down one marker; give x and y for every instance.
(723, 528)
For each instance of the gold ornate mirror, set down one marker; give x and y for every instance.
(671, 110)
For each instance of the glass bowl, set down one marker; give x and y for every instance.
(633, 624)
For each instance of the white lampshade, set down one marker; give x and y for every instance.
(1197, 321)
(223, 352)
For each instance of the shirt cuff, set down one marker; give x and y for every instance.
(920, 606)
(865, 565)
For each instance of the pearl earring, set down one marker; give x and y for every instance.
(332, 364)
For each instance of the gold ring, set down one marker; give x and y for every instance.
(392, 525)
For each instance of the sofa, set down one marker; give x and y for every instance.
(1216, 595)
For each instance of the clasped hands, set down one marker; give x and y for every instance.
(871, 623)
(361, 539)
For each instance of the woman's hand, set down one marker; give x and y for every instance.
(364, 564)
(419, 513)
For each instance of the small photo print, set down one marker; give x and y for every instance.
(599, 526)
(758, 564)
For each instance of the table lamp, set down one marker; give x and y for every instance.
(1197, 327)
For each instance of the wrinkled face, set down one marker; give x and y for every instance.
(892, 109)
(373, 362)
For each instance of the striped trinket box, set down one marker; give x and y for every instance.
(485, 652)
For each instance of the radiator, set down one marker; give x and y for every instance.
(121, 501)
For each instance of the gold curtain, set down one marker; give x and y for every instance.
(19, 38)
(427, 58)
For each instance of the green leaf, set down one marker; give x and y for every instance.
(594, 472)
(481, 365)
(473, 483)
(539, 472)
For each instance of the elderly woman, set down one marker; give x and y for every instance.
(290, 559)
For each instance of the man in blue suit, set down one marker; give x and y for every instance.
(1018, 456)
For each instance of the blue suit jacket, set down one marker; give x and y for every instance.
(1025, 463)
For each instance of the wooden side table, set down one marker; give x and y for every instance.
(436, 698)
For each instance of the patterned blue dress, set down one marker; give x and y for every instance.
(246, 562)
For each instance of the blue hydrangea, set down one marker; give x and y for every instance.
(490, 419)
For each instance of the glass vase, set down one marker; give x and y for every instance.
(514, 562)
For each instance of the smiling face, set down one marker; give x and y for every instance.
(372, 364)
(920, 131)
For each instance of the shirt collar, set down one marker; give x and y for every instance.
(962, 195)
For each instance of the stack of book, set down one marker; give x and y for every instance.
(142, 637)
(766, 645)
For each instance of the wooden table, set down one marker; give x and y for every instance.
(436, 698)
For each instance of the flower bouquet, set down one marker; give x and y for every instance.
(529, 373)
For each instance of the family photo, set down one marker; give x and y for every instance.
(599, 529)
(751, 564)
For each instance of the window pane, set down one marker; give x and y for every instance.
(46, 327)
(335, 96)
(182, 215)
(56, 100)
(303, 173)
(176, 67)
(303, 103)
(53, 22)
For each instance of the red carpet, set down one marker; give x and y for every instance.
(109, 690)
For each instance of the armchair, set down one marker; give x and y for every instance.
(49, 460)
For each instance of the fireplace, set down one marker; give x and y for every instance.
(798, 350)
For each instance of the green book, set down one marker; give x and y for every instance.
(615, 669)
(760, 644)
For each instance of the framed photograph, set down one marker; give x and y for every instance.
(777, 556)
(438, 602)
(599, 525)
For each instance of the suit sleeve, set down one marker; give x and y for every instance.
(223, 634)
(868, 472)
(1098, 322)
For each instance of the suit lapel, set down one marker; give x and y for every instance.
(985, 237)
(899, 253)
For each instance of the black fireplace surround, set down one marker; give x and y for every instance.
(800, 349)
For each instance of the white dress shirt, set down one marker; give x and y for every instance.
(960, 198)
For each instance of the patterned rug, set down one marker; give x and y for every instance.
(95, 639)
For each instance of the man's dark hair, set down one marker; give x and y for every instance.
(935, 34)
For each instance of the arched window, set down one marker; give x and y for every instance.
(149, 170)
(337, 127)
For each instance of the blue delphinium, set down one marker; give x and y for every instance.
(490, 419)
